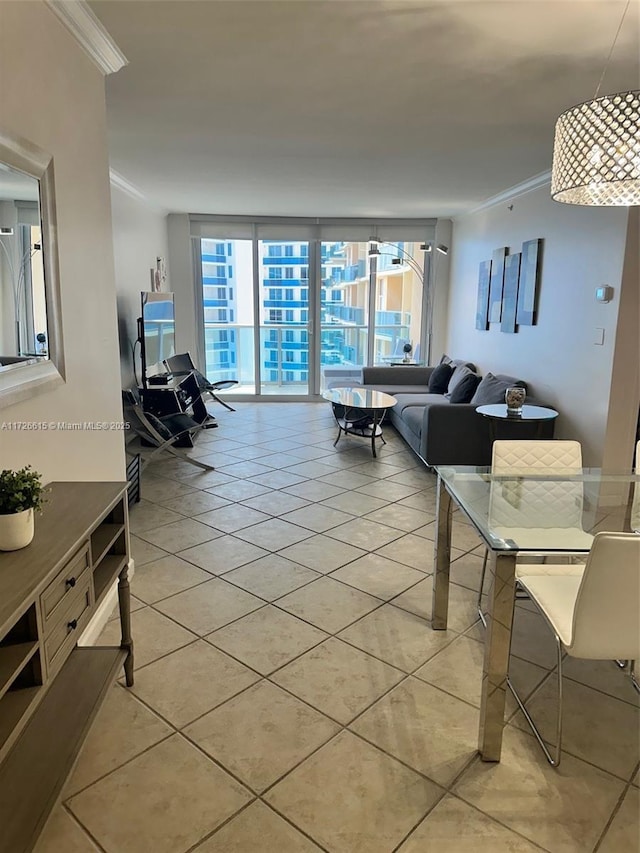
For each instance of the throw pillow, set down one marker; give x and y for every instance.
(492, 388)
(455, 362)
(457, 376)
(439, 379)
(465, 389)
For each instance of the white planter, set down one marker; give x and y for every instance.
(16, 530)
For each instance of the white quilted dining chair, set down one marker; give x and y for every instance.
(591, 616)
(556, 505)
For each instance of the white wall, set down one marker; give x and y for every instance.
(139, 237)
(53, 95)
(181, 271)
(624, 402)
(582, 249)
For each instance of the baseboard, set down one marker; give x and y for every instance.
(101, 617)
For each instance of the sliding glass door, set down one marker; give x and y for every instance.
(284, 316)
(228, 311)
(344, 308)
(399, 301)
(285, 311)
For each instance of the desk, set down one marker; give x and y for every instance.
(545, 512)
(359, 411)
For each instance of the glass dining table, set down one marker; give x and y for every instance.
(545, 513)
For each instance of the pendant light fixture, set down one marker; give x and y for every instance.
(596, 152)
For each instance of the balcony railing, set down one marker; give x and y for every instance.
(347, 346)
(344, 313)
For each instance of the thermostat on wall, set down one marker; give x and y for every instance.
(604, 293)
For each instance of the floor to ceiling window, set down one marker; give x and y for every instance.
(284, 307)
(344, 305)
(284, 321)
(228, 312)
(399, 301)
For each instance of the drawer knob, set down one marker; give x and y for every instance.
(72, 625)
(71, 582)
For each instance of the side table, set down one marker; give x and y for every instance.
(535, 416)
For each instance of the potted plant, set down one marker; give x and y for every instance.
(21, 492)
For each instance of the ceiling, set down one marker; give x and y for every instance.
(351, 108)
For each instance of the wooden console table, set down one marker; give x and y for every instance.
(51, 689)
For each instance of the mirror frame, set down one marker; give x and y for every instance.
(28, 380)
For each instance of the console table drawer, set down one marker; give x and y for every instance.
(69, 624)
(64, 586)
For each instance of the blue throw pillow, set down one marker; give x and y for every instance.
(439, 379)
(465, 389)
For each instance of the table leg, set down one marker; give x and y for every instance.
(335, 417)
(373, 433)
(496, 654)
(124, 600)
(441, 559)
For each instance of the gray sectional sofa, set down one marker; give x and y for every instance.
(441, 432)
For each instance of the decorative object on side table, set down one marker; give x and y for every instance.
(514, 398)
(407, 349)
(21, 492)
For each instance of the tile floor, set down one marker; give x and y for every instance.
(290, 694)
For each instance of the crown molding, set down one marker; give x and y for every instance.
(90, 34)
(124, 186)
(116, 180)
(531, 184)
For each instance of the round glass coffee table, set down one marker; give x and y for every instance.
(359, 411)
(535, 416)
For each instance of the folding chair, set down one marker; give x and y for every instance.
(162, 432)
(182, 364)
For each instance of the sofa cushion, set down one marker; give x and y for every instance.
(394, 390)
(457, 376)
(409, 401)
(439, 380)
(465, 389)
(412, 417)
(492, 388)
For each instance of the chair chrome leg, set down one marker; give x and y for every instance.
(178, 453)
(483, 618)
(222, 402)
(632, 673)
(554, 760)
(621, 663)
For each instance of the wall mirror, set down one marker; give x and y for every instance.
(31, 352)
